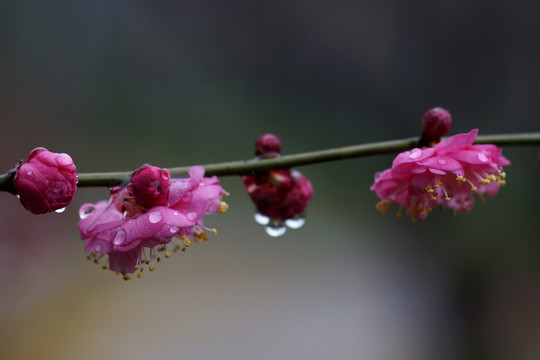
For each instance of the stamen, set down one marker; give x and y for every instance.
(222, 207)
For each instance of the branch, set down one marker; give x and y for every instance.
(287, 161)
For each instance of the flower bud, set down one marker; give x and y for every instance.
(268, 145)
(436, 123)
(46, 181)
(150, 185)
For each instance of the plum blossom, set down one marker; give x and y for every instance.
(46, 181)
(131, 234)
(448, 174)
(280, 196)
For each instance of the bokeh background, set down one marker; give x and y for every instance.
(120, 83)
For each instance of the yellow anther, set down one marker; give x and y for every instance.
(474, 188)
(484, 181)
(434, 197)
(96, 261)
(158, 259)
(187, 242)
(437, 185)
(430, 190)
(139, 275)
(167, 254)
(503, 175)
(104, 267)
(226, 194)
(460, 178)
(502, 182)
(447, 198)
(214, 231)
(136, 267)
(126, 277)
(222, 207)
(88, 257)
(382, 206)
(492, 177)
(151, 268)
(203, 236)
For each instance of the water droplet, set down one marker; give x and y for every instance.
(441, 162)
(295, 223)
(154, 217)
(192, 216)
(174, 229)
(98, 248)
(59, 211)
(176, 213)
(261, 219)
(119, 237)
(29, 172)
(18, 196)
(415, 153)
(187, 196)
(85, 211)
(275, 231)
(482, 157)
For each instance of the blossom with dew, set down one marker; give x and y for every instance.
(280, 196)
(448, 174)
(133, 235)
(46, 181)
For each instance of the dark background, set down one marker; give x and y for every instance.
(120, 83)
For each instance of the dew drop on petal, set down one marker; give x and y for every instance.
(155, 217)
(18, 196)
(29, 172)
(98, 247)
(119, 237)
(192, 216)
(275, 231)
(85, 211)
(415, 153)
(261, 219)
(187, 197)
(59, 211)
(176, 213)
(482, 157)
(174, 229)
(441, 162)
(295, 223)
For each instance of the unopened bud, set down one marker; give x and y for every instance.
(436, 123)
(149, 185)
(267, 145)
(46, 181)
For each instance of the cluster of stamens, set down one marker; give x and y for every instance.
(442, 191)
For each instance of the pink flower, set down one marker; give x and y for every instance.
(46, 181)
(449, 173)
(123, 230)
(280, 196)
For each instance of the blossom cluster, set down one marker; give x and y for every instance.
(152, 214)
(448, 174)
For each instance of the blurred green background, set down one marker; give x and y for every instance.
(120, 83)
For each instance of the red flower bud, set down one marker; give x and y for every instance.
(268, 145)
(436, 123)
(46, 181)
(150, 186)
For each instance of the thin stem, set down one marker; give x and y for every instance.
(288, 161)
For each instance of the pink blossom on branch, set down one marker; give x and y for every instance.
(132, 234)
(46, 181)
(448, 174)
